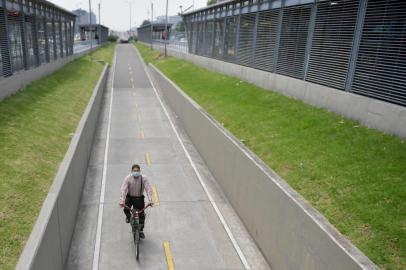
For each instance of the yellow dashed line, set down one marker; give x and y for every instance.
(142, 134)
(168, 255)
(155, 196)
(148, 159)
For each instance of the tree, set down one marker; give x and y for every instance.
(211, 2)
(180, 27)
(145, 22)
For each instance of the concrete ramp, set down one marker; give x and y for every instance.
(193, 215)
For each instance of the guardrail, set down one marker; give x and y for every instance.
(48, 245)
(288, 230)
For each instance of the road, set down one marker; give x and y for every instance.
(134, 128)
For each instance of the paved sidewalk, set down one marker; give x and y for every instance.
(140, 132)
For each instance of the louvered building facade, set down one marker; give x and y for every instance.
(32, 33)
(357, 46)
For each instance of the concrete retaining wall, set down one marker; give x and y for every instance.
(19, 80)
(48, 245)
(289, 231)
(373, 113)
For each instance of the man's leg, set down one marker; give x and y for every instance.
(126, 211)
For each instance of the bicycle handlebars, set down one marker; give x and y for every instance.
(137, 211)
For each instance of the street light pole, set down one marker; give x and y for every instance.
(152, 19)
(166, 28)
(130, 17)
(99, 27)
(90, 26)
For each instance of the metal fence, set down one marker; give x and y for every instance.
(33, 32)
(355, 46)
(176, 40)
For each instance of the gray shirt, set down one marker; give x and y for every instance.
(132, 186)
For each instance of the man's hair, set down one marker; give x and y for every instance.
(135, 166)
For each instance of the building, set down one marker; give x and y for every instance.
(348, 45)
(82, 18)
(171, 19)
(97, 31)
(33, 33)
(158, 32)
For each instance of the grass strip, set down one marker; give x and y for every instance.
(36, 126)
(355, 176)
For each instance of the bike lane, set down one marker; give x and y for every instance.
(140, 132)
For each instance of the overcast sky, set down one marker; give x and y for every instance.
(115, 14)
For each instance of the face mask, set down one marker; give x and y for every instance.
(136, 174)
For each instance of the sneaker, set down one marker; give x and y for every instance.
(142, 235)
(127, 220)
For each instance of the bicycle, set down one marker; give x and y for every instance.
(136, 226)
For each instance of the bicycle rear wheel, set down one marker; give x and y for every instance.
(136, 236)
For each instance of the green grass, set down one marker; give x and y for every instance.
(355, 176)
(36, 126)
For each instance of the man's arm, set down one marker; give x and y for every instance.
(123, 191)
(147, 188)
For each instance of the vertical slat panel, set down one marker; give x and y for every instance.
(266, 39)
(41, 39)
(218, 38)
(332, 42)
(30, 39)
(230, 38)
(380, 70)
(245, 52)
(5, 66)
(16, 45)
(208, 38)
(293, 40)
(50, 33)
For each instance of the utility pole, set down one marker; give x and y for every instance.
(90, 27)
(130, 17)
(166, 28)
(152, 19)
(99, 26)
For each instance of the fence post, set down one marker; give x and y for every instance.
(5, 42)
(278, 38)
(224, 36)
(254, 45)
(23, 36)
(309, 41)
(357, 40)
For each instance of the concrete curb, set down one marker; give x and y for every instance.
(374, 113)
(19, 80)
(289, 231)
(49, 242)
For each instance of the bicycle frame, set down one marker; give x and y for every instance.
(135, 226)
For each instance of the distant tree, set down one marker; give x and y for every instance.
(145, 22)
(211, 2)
(112, 38)
(180, 27)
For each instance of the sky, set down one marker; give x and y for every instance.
(115, 14)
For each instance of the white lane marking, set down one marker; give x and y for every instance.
(96, 254)
(213, 203)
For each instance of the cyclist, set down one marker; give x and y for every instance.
(132, 194)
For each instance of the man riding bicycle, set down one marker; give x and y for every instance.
(132, 194)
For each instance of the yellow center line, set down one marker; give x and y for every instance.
(155, 196)
(148, 159)
(142, 134)
(168, 255)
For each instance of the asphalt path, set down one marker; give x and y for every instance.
(185, 230)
